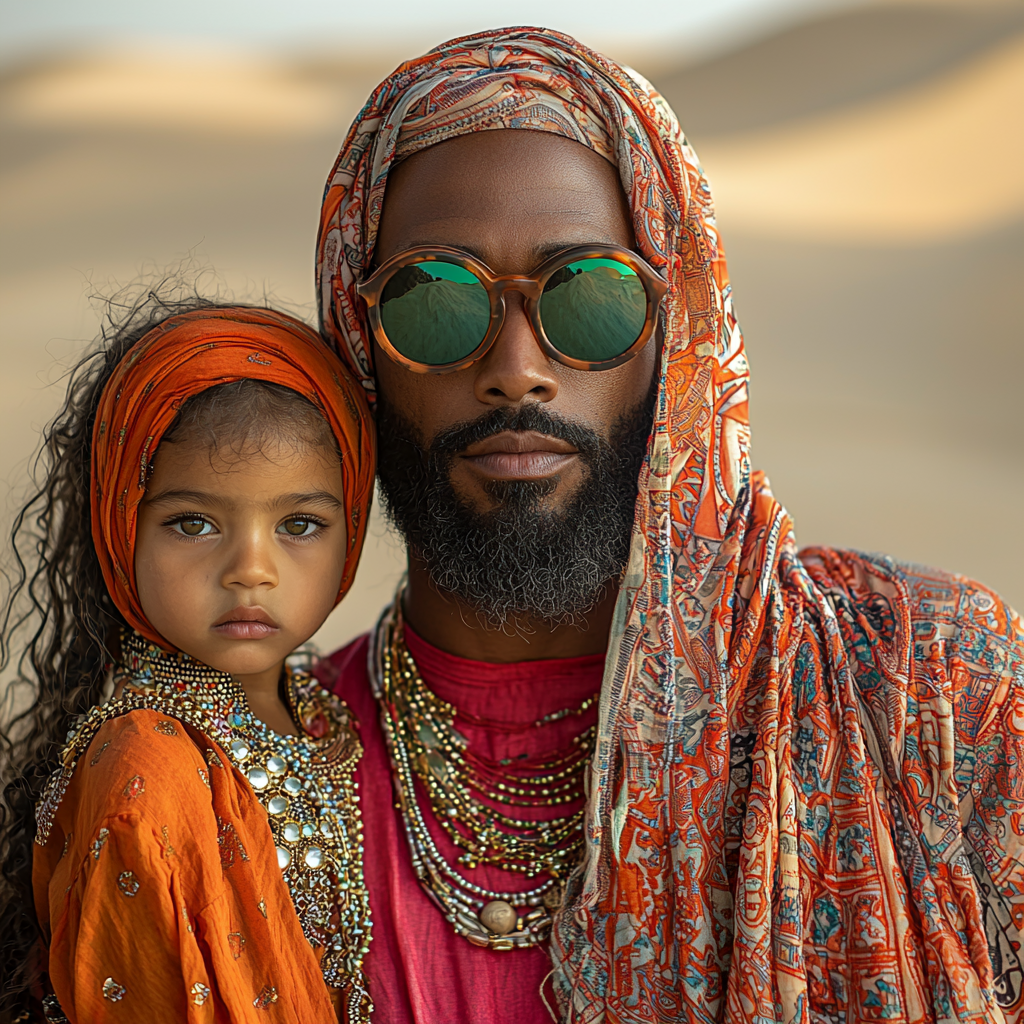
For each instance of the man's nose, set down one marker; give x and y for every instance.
(251, 563)
(516, 367)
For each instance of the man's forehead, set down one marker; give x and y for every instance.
(535, 192)
(503, 154)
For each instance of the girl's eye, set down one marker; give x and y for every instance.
(193, 527)
(299, 527)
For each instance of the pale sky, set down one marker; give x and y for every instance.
(28, 26)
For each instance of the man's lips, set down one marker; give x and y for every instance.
(519, 455)
(245, 624)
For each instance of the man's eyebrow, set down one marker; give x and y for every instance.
(550, 249)
(433, 243)
(322, 499)
(541, 252)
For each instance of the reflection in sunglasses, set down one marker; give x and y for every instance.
(595, 312)
(435, 319)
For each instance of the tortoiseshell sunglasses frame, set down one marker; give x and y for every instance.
(531, 286)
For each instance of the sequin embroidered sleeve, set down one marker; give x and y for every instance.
(158, 889)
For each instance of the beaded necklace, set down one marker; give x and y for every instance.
(305, 782)
(425, 745)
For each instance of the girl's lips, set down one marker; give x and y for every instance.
(246, 624)
(241, 629)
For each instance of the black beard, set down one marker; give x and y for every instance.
(518, 563)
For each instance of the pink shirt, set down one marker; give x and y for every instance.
(419, 971)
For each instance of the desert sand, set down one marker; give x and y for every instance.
(867, 173)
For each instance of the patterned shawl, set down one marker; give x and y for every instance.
(804, 802)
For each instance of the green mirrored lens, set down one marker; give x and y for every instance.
(434, 312)
(593, 309)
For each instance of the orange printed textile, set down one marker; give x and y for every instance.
(158, 890)
(806, 801)
(181, 357)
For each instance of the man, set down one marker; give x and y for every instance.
(612, 705)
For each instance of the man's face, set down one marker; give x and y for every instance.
(512, 198)
(513, 480)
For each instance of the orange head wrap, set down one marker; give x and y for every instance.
(181, 357)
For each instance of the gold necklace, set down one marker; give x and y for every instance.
(305, 782)
(424, 744)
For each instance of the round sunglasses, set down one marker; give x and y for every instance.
(435, 309)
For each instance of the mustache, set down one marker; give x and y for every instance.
(457, 438)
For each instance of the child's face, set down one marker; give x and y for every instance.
(238, 559)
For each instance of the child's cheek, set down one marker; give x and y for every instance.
(312, 581)
(172, 583)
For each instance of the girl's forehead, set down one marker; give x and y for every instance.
(249, 415)
(228, 476)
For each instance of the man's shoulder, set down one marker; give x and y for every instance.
(931, 595)
(946, 624)
(949, 605)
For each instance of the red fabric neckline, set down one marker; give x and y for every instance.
(514, 695)
(518, 693)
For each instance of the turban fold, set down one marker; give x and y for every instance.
(783, 822)
(181, 357)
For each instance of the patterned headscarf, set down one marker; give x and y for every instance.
(181, 357)
(786, 821)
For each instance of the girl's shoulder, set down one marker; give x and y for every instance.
(141, 763)
(147, 744)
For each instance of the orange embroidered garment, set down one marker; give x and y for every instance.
(158, 890)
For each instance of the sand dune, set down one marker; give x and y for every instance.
(939, 162)
(187, 90)
(832, 63)
(866, 168)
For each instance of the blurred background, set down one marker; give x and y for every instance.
(867, 161)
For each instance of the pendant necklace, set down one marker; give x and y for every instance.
(475, 800)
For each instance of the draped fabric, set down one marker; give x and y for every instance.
(181, 357)
(805, 801)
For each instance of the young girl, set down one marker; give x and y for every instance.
(197, 851)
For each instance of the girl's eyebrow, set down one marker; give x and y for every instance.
(168, 497)
(323, 499)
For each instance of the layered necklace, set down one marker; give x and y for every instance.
(478, 802)
(305, 782)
